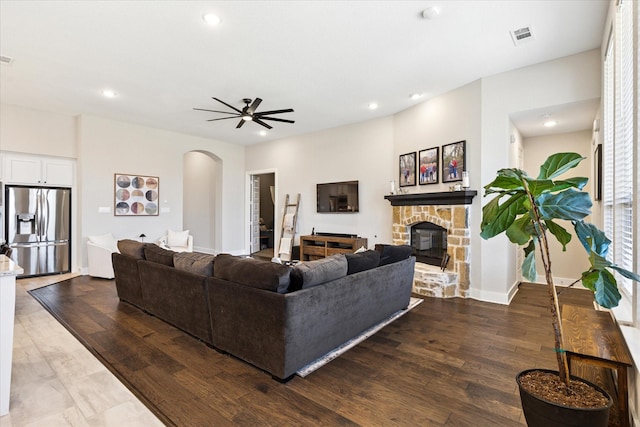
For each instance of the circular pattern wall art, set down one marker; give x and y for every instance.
(136, 195)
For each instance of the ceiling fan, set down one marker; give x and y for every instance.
(249, 114)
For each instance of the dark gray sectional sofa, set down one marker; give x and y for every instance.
(276, 317)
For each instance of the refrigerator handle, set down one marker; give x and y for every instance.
(45, 216)
(38, 215)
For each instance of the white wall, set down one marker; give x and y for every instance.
(362, 152)
(201, 211)
(108, 147)
(562, 81)
(566, 266)
(25, 130)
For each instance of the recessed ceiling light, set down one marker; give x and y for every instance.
(550, 123)
(211, 18)
(416, 96)
(263, 133)
(373, 105)
(431, 12)
(108, 93)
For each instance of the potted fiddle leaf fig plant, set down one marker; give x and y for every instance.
(531, 211)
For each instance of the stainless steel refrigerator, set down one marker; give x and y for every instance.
(38, 228)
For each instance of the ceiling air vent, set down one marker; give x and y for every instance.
(6, 60)
(521, 35)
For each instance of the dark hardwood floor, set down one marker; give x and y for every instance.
(446, 363)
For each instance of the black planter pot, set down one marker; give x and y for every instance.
(542, 413)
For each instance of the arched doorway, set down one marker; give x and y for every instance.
(202, 200)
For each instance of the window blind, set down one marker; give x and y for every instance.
(623, 196)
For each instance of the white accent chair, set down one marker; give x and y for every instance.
(99, 250)
(177, 241)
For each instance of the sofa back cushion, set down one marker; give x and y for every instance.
(392, 253)
(313, 273)
(155, 253)
(194, 262)
(361, 261)
(131, 248)
(252, 272)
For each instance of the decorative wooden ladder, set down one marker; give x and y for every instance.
(288, 230)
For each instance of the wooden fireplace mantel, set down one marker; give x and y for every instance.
(464, 197)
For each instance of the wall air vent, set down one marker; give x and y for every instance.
(6, 60)
(521, 35)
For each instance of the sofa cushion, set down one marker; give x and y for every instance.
(252, 272)
(194, 262)
(362, 261)
(392, 253)
(131, 248)
(313, 273)
(155, 253)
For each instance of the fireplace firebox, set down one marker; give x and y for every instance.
(429, 242)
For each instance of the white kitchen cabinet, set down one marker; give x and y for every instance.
(19, 169)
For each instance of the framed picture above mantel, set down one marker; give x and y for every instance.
(429, 163)
(453, 161)
(407, 168)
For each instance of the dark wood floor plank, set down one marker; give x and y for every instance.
(448, 362)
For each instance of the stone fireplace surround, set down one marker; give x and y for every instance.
(449, 210)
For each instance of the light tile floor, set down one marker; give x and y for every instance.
(56, 381)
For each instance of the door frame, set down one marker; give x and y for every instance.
(248, 200)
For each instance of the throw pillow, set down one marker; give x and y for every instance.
(313, 273)
(178, 238)
(362, 261)
(194, 262)
(106, 241)
(155, 253)
(252, 272)
(391, 253)
(131, 248)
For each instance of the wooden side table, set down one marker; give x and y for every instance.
(594, 337)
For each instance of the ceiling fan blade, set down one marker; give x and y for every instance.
(261, 123)
(266, 113)
(254, 105)
(275, 119)
(222, 118)
(230, 106)
(215, 111)
(240, 123)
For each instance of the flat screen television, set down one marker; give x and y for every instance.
(339, 197)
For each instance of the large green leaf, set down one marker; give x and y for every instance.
(598, 262)
(539, 186)
(592, 238)
(589, 279)
(512, 173)
(502, 184)
(520, 231)
(529, 263)
(577, 182)
(569, 204)
(606, 289)
(497, 218)
(562, 235)
(626, 273)
(559, 163)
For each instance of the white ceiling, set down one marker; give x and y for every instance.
(325, 59)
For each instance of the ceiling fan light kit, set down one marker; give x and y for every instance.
(249, 113)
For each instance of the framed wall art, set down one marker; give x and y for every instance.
(408, 169)
(429, 164)
(453, 161)
(136, 195)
